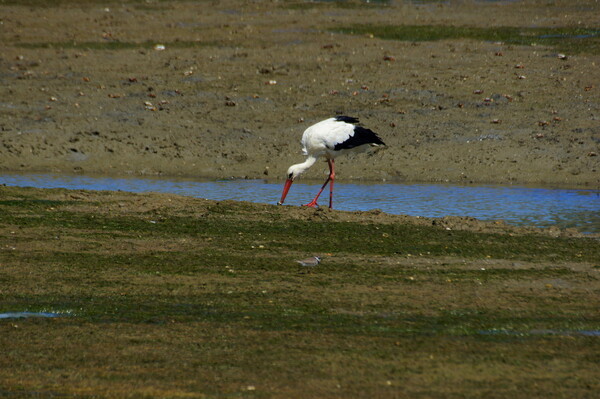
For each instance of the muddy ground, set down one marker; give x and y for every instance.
(167, 296)
(84, 89)
(162, 296)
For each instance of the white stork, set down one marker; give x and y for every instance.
(330, 138)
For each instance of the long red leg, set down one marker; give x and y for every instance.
(331, 178)
(313, 203)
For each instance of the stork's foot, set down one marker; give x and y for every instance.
(312, 204)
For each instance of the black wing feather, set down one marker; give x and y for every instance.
(360, 137)
(347, 119)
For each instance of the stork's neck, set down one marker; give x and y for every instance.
(300, 168)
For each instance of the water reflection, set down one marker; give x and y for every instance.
(542, 207)
(27, 315)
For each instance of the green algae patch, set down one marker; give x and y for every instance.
(567, 39)
(201, 298)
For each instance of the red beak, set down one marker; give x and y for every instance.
(286, 188)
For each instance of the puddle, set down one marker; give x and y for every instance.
(27, 315)
(562, 333)
(520, 206)
(568, 36)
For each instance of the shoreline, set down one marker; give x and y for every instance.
(312, 179)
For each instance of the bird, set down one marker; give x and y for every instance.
(309, 262)
(330, 138)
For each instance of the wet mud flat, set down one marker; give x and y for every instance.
(165, 296)
(461, 91)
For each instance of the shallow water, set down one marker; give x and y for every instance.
(541, 207)
(585, 333)
(25, 315)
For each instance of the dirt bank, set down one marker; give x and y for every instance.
(84, 89)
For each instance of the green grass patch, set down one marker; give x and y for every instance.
(81, 3)
(342, 4)
(308, 236)
(567, 39)
(252, 310)
(203, 298)
(32, 204)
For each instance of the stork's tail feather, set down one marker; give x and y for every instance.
(361, 136)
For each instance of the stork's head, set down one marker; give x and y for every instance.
(293, 172)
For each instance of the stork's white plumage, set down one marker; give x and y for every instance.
(330, 138)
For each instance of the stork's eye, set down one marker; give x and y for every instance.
(290, 175)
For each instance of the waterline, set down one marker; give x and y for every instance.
(524, 206)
